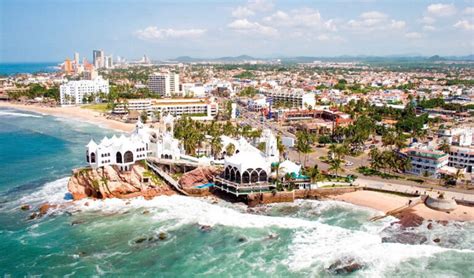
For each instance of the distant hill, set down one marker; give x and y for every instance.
(342, 58)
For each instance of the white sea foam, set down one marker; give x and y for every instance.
(313, 243)
(52, 192)
(17, 114)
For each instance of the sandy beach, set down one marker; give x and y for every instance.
(74, 112)
(386, 202)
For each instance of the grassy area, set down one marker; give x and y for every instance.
(99, 107)
(367, 171)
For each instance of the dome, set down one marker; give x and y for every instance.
(245, 160)
(288, 167)
(440, 203)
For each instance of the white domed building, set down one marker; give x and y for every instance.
(248, 170)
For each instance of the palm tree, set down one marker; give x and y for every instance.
(304, 140)
(336, 166)
(458, 175)
(216, 146)
(445, 147)
(230, 149)
(280, 146)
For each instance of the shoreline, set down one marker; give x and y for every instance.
(74, 113)
(385, 202)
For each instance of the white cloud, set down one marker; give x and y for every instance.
(465, 25)
(468, 10)
(327, 38)
(428, 20)
(246, 26)
(400, 24)
(429, 28)
(413, 35)
(374, 20)
(441, 9)
(241, 12)
(252, 7)
(300, 18)
(153, 33)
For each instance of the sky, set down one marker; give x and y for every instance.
(52, 30)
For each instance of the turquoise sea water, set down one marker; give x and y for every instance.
(14, 68)
(121, 238)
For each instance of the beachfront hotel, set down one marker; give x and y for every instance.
(425, 160)
(296, 98)
(74, 92)
(196, 108)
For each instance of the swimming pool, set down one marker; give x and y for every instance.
(205, 185)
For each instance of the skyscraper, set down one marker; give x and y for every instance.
(76, 58)
(98, 58)
(164, 84)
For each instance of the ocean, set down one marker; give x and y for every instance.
(15, 68)
(121, 238)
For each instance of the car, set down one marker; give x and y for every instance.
(349, 163)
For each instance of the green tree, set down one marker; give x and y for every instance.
(144, 116)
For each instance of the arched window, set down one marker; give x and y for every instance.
(87, 156)
(227, 173)
(263, 176)
(254, 176)
(237, 177)
(232, 175)
(92, 157)
(246, 177)
(118, 157)
(128, 157)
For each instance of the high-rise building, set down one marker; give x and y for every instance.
(76, 58)
(164, 84)
(109, 63)
(174, 82)
(160, 84)
(68, 66)
(98, 58)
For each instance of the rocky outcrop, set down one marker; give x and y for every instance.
(198, 176)
(110, 182)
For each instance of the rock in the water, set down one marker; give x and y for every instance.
(430, 226)
(341, 267)
(44, 208)
(25, 207)
(242, 239)
(146, 212)
(437, 240)
(77, 222)
(205, 228)
(162, 235)
(409, 219)
(34, 215)
(273, 236)
(140, 240)
(406, 238)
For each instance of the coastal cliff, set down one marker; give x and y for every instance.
(109, 182)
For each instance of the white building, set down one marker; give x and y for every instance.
(248, 169)
(296, 98)
(202, 109)
(142, 143)
(425, 160)
(164, 84)
(73, 92)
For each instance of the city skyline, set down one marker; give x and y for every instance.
(51, 30)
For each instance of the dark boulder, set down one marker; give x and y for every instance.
(344, 267)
